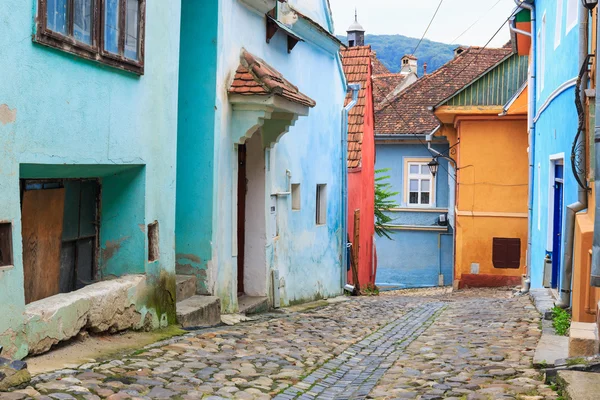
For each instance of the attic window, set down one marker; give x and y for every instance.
(405, 61)
(273, 25)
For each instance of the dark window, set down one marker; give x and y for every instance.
(153, 250)
(6, 256)
(321, 216)
(351, 43)
(109, 31)
(506, 253)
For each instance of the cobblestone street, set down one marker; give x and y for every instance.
(431, 344)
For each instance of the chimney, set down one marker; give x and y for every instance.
(424, 69)
(459, 50)
(409, 64)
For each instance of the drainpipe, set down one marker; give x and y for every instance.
(581, 204)
(528, 5)
(354, 88)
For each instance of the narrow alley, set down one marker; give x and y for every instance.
(428, 344)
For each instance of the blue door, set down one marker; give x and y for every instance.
(557, 225)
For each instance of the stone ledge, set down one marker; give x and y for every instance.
(108, 306)
(579, 385)
(583, 339)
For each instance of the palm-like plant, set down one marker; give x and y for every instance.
(383, 203)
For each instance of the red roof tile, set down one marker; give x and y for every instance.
(409, 112)
(378, 67)
(254, 77)
(357, 67)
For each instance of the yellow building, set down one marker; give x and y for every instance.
(486, 124)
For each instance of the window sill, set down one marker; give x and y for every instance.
(6, 268)
(70, 46)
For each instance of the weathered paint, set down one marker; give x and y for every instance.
(555, 129)
(414, 257)
(491, 194)
(361, 195)
(307, 256)
(70, 117)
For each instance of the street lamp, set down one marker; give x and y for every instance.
(433, 166)
(589, 4)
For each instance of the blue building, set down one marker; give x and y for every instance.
(260, 209)
(554, 190)
(88, 117)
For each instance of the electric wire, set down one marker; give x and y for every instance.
(476, 22)
(428, 26)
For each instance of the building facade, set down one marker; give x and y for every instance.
(260, 190)
(87, 132)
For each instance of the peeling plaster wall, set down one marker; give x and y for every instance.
(58, 109)
(307, 256)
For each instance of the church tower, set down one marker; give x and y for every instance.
(356, 33)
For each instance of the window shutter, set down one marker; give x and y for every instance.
(499, 252)
(506, 253)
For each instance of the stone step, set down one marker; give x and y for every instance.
(583, 339)
(186, 286)
(252, 304)
(199, 312)
(579, 385)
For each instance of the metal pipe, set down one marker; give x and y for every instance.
(355, 88)
(531, 137)
(581, 204)
(429, 139)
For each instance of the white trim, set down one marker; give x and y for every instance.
(553, 160)
(559, 90)
(542, 45)
(572, 14)
(539, 196)
(558, 26)
(420, 161)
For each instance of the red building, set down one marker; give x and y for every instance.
(361, 160)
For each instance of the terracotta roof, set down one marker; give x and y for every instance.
(378, 67)
(357, 62)
(384, 85)
(254, 77)
(410, 57)
(409, 112)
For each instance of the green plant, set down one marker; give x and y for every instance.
(371, 290)
(383, 203)
(561, 321)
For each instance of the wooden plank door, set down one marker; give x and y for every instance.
(42, 225)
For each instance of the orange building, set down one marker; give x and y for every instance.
(486, 125)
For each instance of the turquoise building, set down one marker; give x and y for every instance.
(88, 124)
(260, 184)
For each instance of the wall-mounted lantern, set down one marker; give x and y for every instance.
(590, 4)
(433, 166)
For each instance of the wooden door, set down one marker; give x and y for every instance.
(42, 225)
(241, 215)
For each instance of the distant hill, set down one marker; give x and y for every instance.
(391, 48)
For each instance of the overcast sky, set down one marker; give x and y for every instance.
(410, 18)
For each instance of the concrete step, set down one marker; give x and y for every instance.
(252, 305)
(550, 348)
(579, 385)
(186, 286)
(199, 312)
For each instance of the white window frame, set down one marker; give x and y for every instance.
(558, 26)
(408, 176)
(572, 14)
(554, 160)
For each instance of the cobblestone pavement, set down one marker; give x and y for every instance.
(475, 344)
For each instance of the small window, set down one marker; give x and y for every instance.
(321, 205)
(558, 26)
(351, 43)
(572, 14)
(6, 255)
(419, 187)
(153, 249)
(296, 196)
(109, 31)
(506, 253)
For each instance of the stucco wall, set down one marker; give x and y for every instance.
(492, 191)
(307, 256)
(361, 195)
(75, 112)
(554, 131)
(412, 257)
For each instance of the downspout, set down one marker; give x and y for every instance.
(354, 87)
(531, 127)
(581, 204)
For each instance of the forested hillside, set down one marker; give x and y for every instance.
(391, 48)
